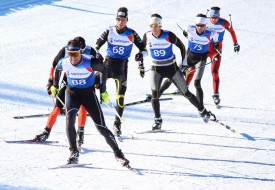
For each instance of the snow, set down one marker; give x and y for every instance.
(191, 154)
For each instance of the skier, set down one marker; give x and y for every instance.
(82, 115)
(120, 40)
(79, 70)
(164, 66)
(214, 22)
(199, 39)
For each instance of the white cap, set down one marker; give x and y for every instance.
(200, 20)
(155, 20)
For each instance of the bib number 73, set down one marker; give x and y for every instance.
(198, 47)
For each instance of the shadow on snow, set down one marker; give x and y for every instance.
(7, 7)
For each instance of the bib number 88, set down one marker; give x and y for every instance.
(78, 82)
(159, 53)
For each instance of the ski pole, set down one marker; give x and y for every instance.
(61, 85)
(206, 12)
(179, 26)
(226, 126)
(218, 52)
(60, 100)
(214, 60)
(114, 110)
(182, 30)
(230, 20)
(148, 70)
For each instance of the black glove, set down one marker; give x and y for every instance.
(139, 57)
(216, 45)
(236, 47)
(141, 70)
(50, 83)
(185, 33)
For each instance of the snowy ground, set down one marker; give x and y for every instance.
(190, 154)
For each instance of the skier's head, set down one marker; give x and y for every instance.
(215, 12)
(155, 20)
(81, 41)
(122, 13)
(200, 23)
(73, 46)
(122, 17)
(200, 19)
(74, 51)
(155, 24)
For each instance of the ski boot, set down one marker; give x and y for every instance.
(216, 99)
(157, 124)
(80, 136)
(73, 159)
(117, 128)
(207, 115)
(121, 159)
(43, 136)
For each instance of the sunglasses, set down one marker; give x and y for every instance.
(154, 25)
(200, 25)
(73, 53)
(121, 19)
(214, 17)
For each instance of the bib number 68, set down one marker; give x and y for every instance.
(119, 50)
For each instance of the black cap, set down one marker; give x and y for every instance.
(73, 45)
(122, 12)
(81, 41)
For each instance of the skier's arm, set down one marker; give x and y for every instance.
(175, 40)
(230, 29)
(57, 73)
(102, 39)
(140, 44)
(59, 56)
(97, 65)
(93, 52)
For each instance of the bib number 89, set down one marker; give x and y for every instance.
(159, 53)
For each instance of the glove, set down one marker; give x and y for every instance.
(184, 70)
(50, 83)
(141, 70)
(185, 33)
(139, 57)
(236, 47)
(216, 45)
(54, 90)
(104, 97)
